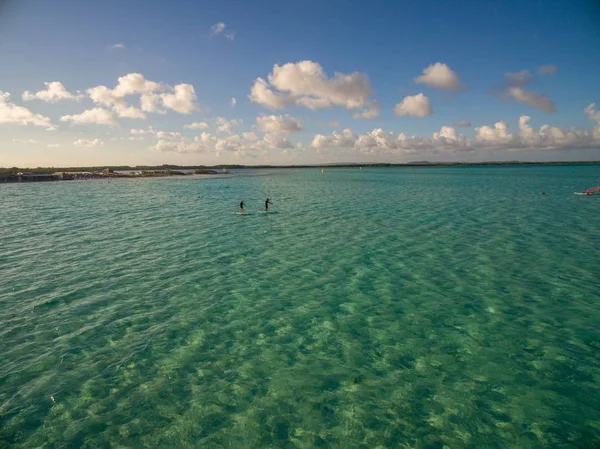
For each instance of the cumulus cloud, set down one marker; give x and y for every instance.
(237, 144)
(182, 100)
(305, 83)
(462, 123)
(414, 106)
(233, 102)
(250, 136)
(220, 28)
(95, 116)
(592, 114)
(345, 139)
(371, 111)
(440, 76)
(547, 69)
(10, 113)
(487, 138)
(154, 96)
(225, 125)
(88, 143)
(197, 125)
(278, 123)
(168, 135)
(540, 101)
(54, 92)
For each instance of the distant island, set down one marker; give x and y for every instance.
(17, 174)
(40, 174)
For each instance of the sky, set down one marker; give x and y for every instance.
(194, 82)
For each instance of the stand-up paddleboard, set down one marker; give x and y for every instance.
(579, 193)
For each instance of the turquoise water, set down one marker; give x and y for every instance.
(380, 308)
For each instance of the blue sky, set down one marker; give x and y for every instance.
(217, 50)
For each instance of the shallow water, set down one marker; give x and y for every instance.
(400, 307)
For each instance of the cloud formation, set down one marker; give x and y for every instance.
(440, 76)
(54, 92)
(414, 106)
(370, 112)
(219, 28)
(487, 138)
(88, 143)
(119, 46)
(225, 125)
(10, 113)
(154, 97)
(305, 83)
(197, 125)
(233, 102)
(278, 123)
(515, 81)
(95, 116)
(168, 135)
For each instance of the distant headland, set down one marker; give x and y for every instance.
(17, 174)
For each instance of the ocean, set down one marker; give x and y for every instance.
(422, 307)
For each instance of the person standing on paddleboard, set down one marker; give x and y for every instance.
(241, 211)
(267, 204)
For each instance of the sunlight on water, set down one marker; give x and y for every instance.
(426, 308)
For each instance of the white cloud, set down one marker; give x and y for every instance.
(54, 92)
(540, 101)
(95, 116)
(168, 135)
(219, 28)
(182, 100)
(260, 93)
(197, 125)
(10, 113)
(119, 46)
(345, 139)
(547, 69)
(277, 141)
(592, 114)
(448, 139)
(371, 111)
(30, 141)
(250, 136)
(414, 106)
(53, 145)
(88, 143)
(148, 130)
(153, 96)
(233, 102)
(335, 124)
(278, 123)
(136, 138)
(305, 83)
(440, 76)
(224, 125)
(237, 144)
(462, 123)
